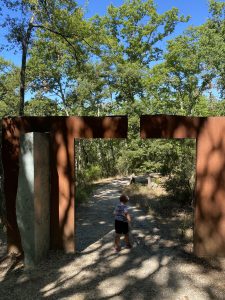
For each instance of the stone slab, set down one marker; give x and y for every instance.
(33, 196)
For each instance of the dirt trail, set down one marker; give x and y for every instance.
(156, 268)
(94, 219)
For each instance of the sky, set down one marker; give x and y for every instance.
(197, 9)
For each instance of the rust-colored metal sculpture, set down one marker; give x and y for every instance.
(209, 220)
(63, 131)
(209, 215)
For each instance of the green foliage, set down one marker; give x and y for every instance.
(130, 41)
(180, 166)
(116, 64)
(41, 107)
(92, 173)
(138, 157)
(36, 21)
(96, 159)
(174, 158)
(212, 43)
(9, 86)
(58, 57)
(83, 193)
(179, 189)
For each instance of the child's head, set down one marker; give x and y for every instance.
(124, 199)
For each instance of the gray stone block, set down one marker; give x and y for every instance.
(33, 197)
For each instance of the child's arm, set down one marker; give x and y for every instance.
(114, 212)
(128, 217)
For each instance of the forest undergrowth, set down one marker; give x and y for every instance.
(165, 208)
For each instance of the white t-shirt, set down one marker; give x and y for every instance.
(120, 212)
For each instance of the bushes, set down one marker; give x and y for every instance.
(179, 189)
(173, 158)
(181, 163)
(92, 173)
(83, 193)
(88, 175)
(84, 185)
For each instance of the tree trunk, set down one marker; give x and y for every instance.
(63, 97)
(2, 194)
(25, 43)
(113, 161)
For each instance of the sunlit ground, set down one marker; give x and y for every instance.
(161, 264)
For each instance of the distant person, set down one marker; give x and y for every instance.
(132, 179)
(122, 218)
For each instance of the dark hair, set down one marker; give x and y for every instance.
(123, 198)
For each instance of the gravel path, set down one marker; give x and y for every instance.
(95, 218)
(157, 267)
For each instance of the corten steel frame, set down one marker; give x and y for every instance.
(63, 131)
(209, 219)
(209, 210)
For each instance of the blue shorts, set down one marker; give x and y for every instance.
(121, 227)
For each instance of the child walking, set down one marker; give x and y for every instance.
(122, 217)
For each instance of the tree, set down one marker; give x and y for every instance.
(178, 83)
(41, 106)
(130, 42)
(9, 88)
(49, 69)
(59, 17)
(212, 44)
(188, 80)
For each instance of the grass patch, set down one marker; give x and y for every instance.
(142, 196)
(155, 201)
(165, 208)
(143, 190)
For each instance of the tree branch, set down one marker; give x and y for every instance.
(62, 35)
(65, 37)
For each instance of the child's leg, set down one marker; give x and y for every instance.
(127, 240)
(117, 240)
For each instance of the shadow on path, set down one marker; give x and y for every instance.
(155, 268)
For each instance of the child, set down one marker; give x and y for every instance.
(122, 217)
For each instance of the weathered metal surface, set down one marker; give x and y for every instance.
(209, 214)
(62, 131)
(209, 238)
(209, 229)
(165, 126)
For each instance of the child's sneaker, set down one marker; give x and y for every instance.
(128, 246)
(117, 249)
